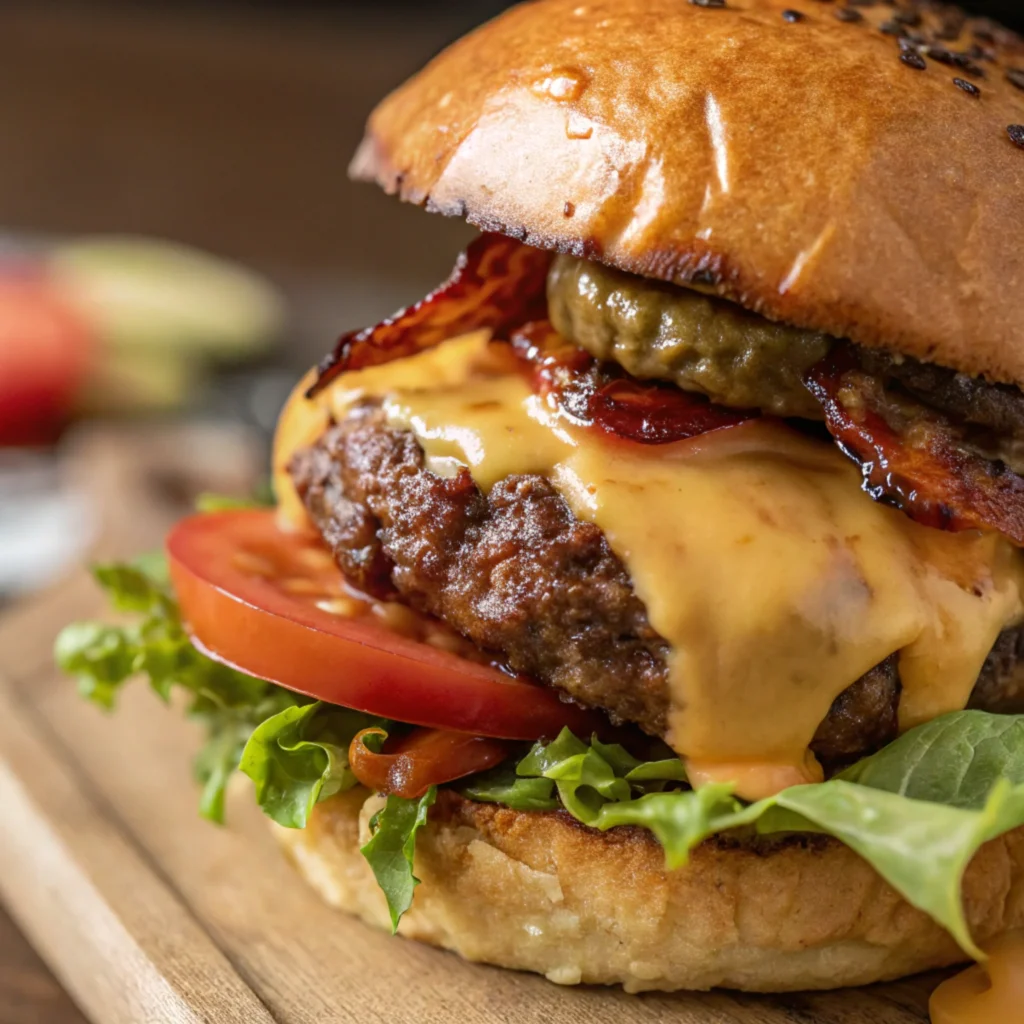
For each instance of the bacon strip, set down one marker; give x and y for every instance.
(423, 758)
(497, 283)
(912, 456)
(608, 398)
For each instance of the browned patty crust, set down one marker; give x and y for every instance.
(520, 575)
(514, 571)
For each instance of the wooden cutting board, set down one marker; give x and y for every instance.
(149, 914)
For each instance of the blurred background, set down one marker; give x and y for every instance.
(178, 240)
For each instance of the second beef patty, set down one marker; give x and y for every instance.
(520, 575)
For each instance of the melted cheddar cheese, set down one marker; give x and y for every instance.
(990, 993)
(776, 581)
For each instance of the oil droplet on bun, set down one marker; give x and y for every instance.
(562, 84)
(577, 127)
(985, 993)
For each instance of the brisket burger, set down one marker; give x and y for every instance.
(646, 604)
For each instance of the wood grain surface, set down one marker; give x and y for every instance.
(147, 913)
(29, 994)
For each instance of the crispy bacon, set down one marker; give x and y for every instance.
(497, 283)
(912, 456)
(409, 766)
(606, 397)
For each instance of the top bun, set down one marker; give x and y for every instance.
(795, 164)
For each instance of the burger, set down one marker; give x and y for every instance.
(645, 606)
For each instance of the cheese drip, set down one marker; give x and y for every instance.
(985, 994)
(776, 581)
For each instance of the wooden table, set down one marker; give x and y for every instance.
(29, 994)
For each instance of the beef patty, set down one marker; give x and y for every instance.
(520, 575)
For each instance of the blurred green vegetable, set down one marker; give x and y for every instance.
(162, 312)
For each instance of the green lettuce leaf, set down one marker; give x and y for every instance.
(917, 811)
(103, 657)
(584, 778)
(920, 848)
(100, 658)
(503, 786)
(392, 848)
(680, 821)
(953, 760)
(214, 765)
(300, 756)
(670, 770)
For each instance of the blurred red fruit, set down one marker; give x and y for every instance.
(45, 352)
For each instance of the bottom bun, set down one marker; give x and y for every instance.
(539, 892)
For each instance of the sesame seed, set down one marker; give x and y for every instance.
(861, 3)
(943, 56)
(708, 3)
(1015, 76)
(891, 28)
(848, 14)
(954, 60)
(792, 16)
(913, 60)
(1016, 133)
(968, 87)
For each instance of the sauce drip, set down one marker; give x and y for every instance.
(756, 780)
(991, 993)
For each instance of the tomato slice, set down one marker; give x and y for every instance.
(274, 605)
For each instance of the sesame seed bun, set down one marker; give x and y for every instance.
(538, 892)
(806, 167)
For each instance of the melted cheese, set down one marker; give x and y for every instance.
(985, 994)
(302, 422)
(755, 779)
(775, 580)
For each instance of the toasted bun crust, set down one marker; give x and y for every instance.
(801, 169)
(538, 892)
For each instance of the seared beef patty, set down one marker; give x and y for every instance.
(519, 574)
(514, 571)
